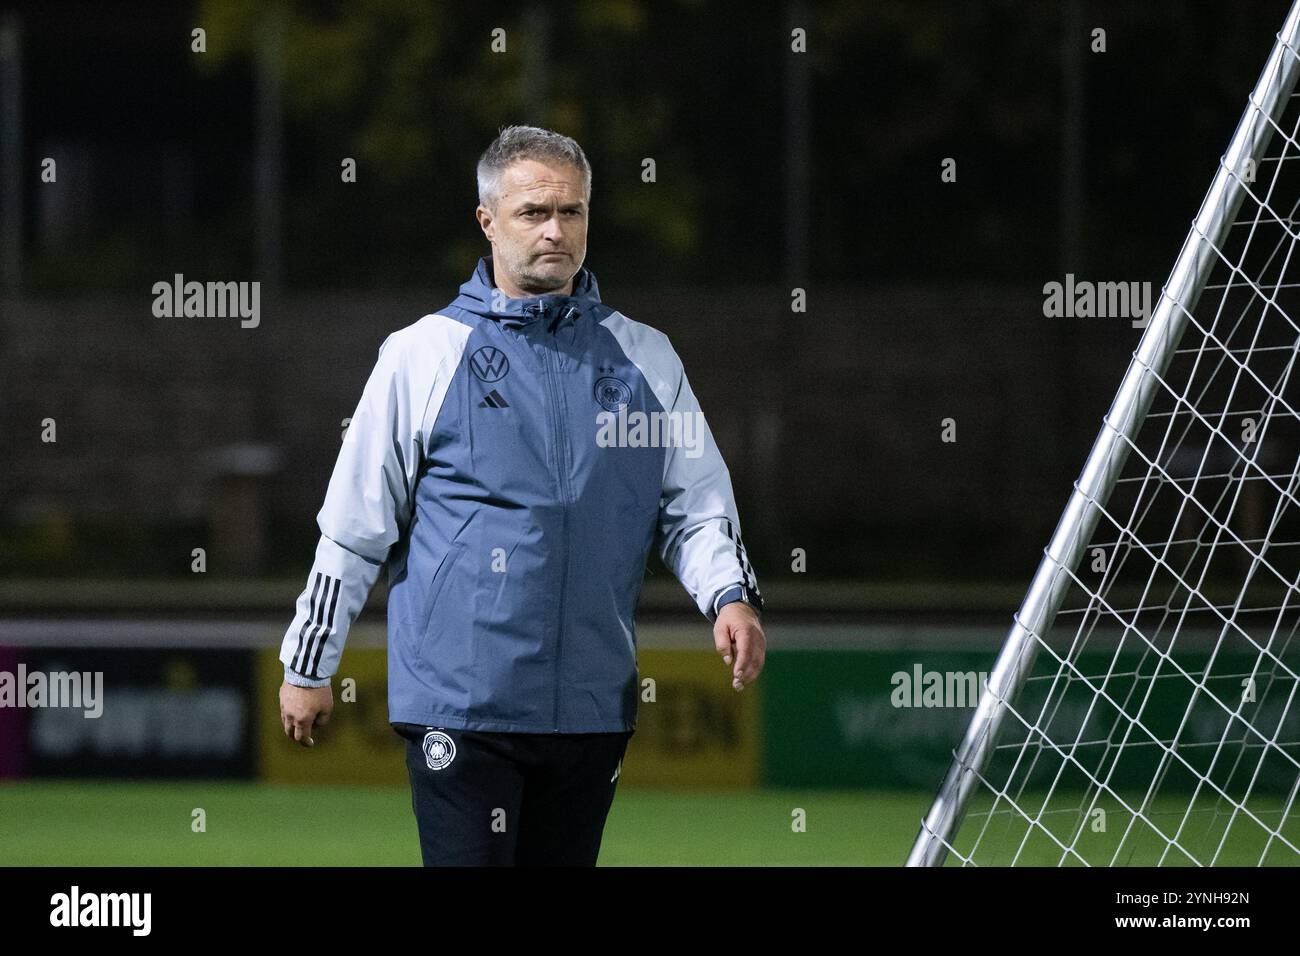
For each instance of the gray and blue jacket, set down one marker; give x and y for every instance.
(512, 462)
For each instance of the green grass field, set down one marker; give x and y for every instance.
(149, 824)
(84, 823)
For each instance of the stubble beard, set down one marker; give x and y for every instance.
(537, 282)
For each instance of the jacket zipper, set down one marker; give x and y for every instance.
(562, 463)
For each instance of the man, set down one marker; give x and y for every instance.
(490, 465)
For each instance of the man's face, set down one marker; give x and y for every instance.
(539, 229)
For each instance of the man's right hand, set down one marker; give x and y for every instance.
(302, 708)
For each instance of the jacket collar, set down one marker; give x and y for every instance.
(481, 296)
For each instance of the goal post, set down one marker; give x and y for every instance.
(1143, 705)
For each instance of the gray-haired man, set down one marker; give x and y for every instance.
(491, 467)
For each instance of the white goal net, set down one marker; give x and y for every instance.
(1144, 710)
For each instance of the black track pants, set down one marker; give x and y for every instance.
(509, 799)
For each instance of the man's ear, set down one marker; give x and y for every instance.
(485, 220)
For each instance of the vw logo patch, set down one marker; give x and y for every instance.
(439, 750)
(612, 393)
(490, 364)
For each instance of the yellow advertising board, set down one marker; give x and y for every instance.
(693, 729)
(357, 746)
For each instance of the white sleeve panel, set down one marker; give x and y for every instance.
(699, 528)
(371, 491)
(337, 588)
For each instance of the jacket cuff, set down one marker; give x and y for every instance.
(297, 680)
(732, 593)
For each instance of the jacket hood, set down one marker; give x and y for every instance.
(477, 296)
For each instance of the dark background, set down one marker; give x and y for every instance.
(775, 171)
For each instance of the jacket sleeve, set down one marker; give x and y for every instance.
(367, 508)
(699, 529)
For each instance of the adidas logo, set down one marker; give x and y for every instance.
(493, 399)
(617, 771)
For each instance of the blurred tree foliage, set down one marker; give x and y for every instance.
(414, 92)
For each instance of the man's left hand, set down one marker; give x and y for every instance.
(738, 637)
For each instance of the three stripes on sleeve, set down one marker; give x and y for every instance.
(317, 627)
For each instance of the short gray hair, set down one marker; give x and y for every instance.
(514, 143)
